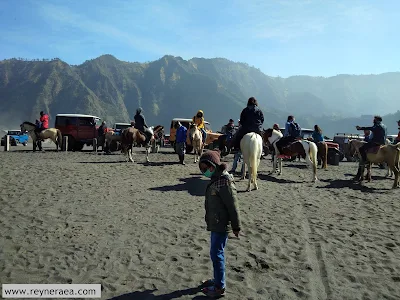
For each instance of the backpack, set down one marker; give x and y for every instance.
(295, 130)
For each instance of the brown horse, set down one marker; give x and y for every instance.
(306, 149)
(389, 154)
(129, 137)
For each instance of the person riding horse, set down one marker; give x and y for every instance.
(140, 124)
(251, 120)
(43, 122)
(292, 133)
(379, 134)
(317, 136)
(198, 119)
(230, 129)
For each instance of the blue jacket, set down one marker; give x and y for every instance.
(181, 134)
(252, 119)
(292, 131)
(379, 133)
(317, 137)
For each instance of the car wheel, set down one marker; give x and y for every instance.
(24, 143)
(78, 146)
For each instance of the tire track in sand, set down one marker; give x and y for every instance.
(319, 284)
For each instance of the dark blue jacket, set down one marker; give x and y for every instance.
(252, 119)
(294, 130)
(181, 134)
(100, 131)
(140, 122)
(379, 133)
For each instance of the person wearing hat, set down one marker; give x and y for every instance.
(181, 134)
(222, 216)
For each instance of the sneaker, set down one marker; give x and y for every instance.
(214, 292)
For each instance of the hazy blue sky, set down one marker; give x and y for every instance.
(284, 38)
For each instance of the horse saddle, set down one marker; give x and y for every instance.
(373, 150)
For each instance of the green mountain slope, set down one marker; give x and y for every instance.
(172, 87)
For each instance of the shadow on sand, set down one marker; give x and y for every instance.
(193, 185)
(149, 295)
(275, 179)
(343, 183)
(297, 166)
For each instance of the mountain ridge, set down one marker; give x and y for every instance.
(172, 86)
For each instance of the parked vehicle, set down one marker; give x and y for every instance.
(121, 126)
(392, 138)
(333, 147)
(342, 139)
(211, 140)
(16, 137)
(80, 129)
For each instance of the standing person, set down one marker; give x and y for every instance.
(181, 134)
(222, 215)
(101, 135)
(236, 158)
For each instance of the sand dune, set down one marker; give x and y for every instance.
(139, 229)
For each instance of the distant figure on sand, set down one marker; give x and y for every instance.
(181, 134)
(101, 138)
(222, 214)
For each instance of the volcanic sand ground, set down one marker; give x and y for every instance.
(139, 229)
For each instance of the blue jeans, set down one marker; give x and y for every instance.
(235, 161)
(204, 134)
(218, 243)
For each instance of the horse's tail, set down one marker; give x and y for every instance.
(313, 155)
(59, 138)
(254, 154)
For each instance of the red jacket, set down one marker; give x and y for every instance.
(45, 121)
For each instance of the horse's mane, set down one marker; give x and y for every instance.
(29, 123)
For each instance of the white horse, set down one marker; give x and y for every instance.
(196, 139)
(305, 148)
(251, 147)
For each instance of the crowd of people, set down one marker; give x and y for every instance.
(221, 195)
